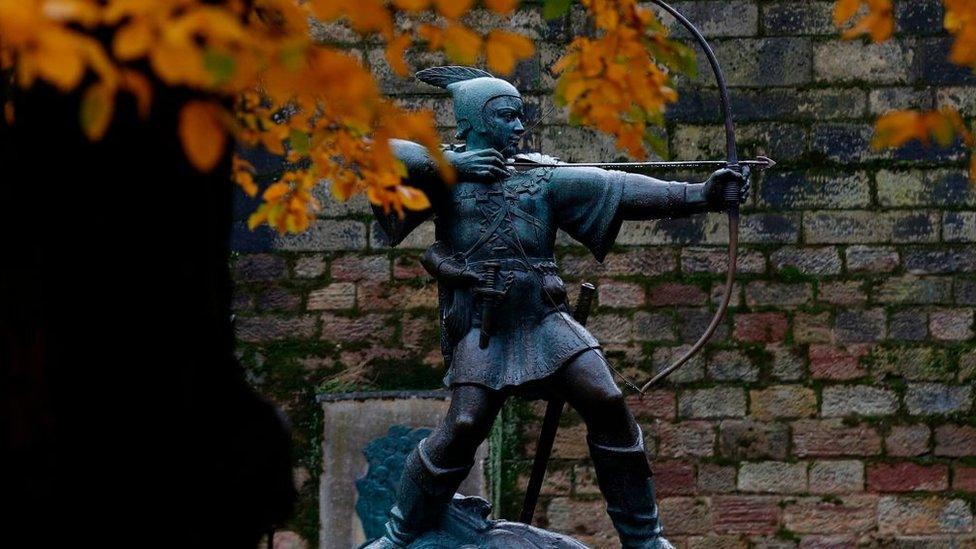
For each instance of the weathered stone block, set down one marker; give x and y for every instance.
(853, 513)
(883, 100)
(951, 324)
(812, 328)
(955, 440)
(683, 439)
(674, 293)
(838, 363)
(911, 289)
(685, 515)
(864, 227)
(846, 292)
(809, 190)
(653, 327)
(744, 61)
(746, 514)
(934, 515)
(761, 327)
(959, 226)
(922, 399)
(924, 188)
(860, 325)
(717, 479)
(716, 402)
(793, 18)
(909, 325)
(782, 401)
(855, 61)
(907, 477)
(326, 235)
(944, 261)
(832, 438)
(836, 477)
(733, 18)
(272, 328)
(618, 294)
(366, 327)
(732, 366)
(872, 259)
(259, 267)
(812, 261)
(773, 477)
(763, 293)
(745, 439)
(844, 400)
(908, 440)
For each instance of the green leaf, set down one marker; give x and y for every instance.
(300, 142)
(657, 142)
(220, 66)
(555, 8)
(675, 56)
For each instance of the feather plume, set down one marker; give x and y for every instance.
(442, 77)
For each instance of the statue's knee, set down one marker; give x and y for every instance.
(466, 425)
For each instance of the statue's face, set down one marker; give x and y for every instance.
(503, 117)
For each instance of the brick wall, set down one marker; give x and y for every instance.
(834, 407)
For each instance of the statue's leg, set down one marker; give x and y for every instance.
(616, 448)
(434, 470)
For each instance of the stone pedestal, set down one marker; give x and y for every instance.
(350, 422)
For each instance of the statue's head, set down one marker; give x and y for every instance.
(488, 110)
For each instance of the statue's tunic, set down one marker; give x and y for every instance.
(513, 222)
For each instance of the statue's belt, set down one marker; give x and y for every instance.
(539, 264)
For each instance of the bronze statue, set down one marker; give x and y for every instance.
(506, 327)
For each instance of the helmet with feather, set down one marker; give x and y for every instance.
(471, 90)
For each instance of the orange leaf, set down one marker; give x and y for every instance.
(844, 10)
(461, 44)
(504, 49)
(274, 192)
(132, 41)
(394, 54)
(412, 198)
(59, 61)
(411, 5)
(139, 86)
(452, 9)
(502, 7)
(202, 134)
(96, 110)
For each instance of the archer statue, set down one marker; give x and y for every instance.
(506, 327)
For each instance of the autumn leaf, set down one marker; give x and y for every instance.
(394, 54)
(502, 7)
(202, 134)
(412, 198)
(96, 110)
(411, 5)
(138, 85)
(461, 44)
(504, 49)
(452, 9)
(132, 40)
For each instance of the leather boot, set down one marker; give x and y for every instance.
(424, 492)
(627, 484)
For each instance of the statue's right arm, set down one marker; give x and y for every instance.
(422, 171)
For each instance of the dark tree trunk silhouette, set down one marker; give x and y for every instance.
(126, 412)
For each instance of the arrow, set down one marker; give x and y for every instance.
(760, 163)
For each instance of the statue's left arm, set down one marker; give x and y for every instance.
(590, 203)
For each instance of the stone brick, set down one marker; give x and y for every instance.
(685, 515)
(761, 327)
(807, 190)
(745, 61)
(955, 440)
(716, 402)
(924, 188)
(762, 293)
(907, 477)
(310, 266)
(258, 267)
(272, 328)
(961, 98)
(964, 290)
(611, 328)
(910, 289)
(744, 439)
(616, 294)
(860, 325)
(908, 325)
(732, 366)
(959, 226)
(366, 327)
(353, 268)
(583, 518)
(796, 18)
(686, 438)
(964, 478)
(911, 363)
(809, 261)
(849, 514)
(325, 235)
(812, 328)
(769, 228)
(655, 404)
(836, 477)
(746, 514)
(951, 324)
(844, 400)
(913, 516)
(944, 261)
(419, 239)
(832, 438)
(782, 401)
(716, 261)
(276, 298)
(693, 370)
(871, 259)
(716, 479)
(865, 227)
(883, 100)
(923, 399)
(838, 363)
(674, 293)
(773, 477)
(908, 440)
(855, 61)
(919, 17)
(847, 292)
(733, 18)
(692, 324)
(339, 295)
(643, 262)
(653, 327)
(788, 362)
(673, 478)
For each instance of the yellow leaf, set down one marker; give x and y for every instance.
(844, 10)
(502, 7)
(504, 49)
(461, 44)
(411, 5)
(76, 11)
(258, 217)
(274, 192)
(96, 110)
(394, 54)
(202, 134)
(139, 86)
(412, 198)
(132, 41)
(58, 60)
